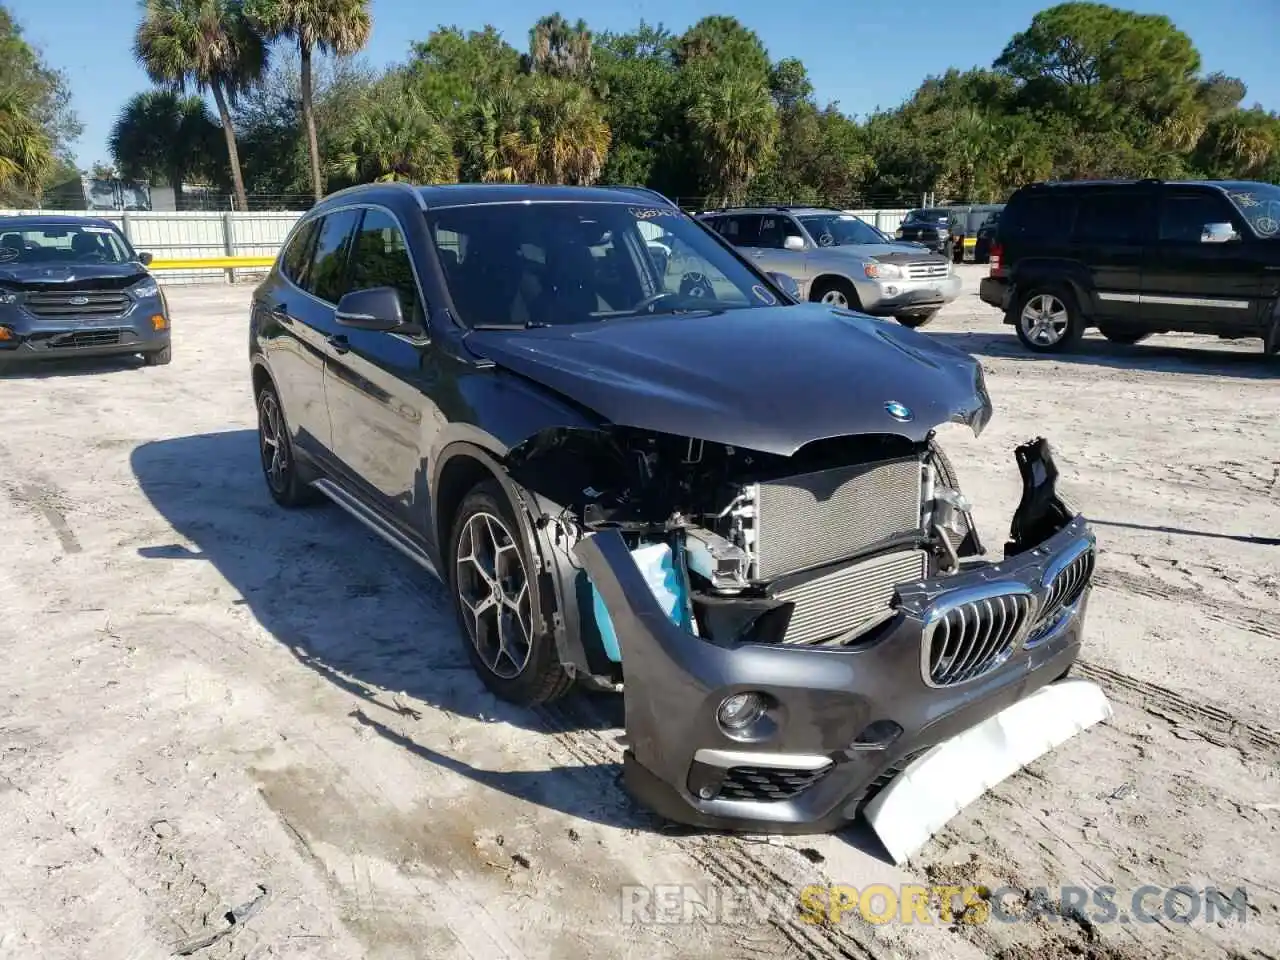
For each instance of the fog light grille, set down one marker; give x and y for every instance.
(768, 783)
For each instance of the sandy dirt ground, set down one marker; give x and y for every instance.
(229, 731)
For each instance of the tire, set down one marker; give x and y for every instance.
(914, 320)
(158, 358)
(285, 482)
(1123, 336)
(1047, 319)
(485, 527)
(836, 293)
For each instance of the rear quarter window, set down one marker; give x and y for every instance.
(1042, 217)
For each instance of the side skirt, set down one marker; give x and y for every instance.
(376, 523)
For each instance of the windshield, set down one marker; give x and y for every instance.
(62, 243)
(841, 229)
(551, 263)
(931, 216)
(1259, 203)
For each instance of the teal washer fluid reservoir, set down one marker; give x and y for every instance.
(657, 563)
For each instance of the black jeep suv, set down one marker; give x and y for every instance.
(631, 457)
(1134, 258)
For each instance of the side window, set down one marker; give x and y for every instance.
(1112, 218)
(329, 265)
(1040, 218)
(296, 262)
(742, 230)
(1183, 216)
(770, 232)
(380, 258)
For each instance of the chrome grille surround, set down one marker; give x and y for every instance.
(66, 305)
(1065, 579)
(974, 631)
(835, 606)
(928, 270)
(813, 519)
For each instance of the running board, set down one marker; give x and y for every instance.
(375, 523)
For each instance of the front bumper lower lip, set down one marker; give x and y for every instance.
(907, 294)
(36, 338)
(813, 774)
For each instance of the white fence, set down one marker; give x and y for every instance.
(193, 235)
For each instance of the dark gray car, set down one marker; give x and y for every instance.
(634, 460)
(74, 286)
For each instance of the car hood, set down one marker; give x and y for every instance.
(770, 379)
(879, 251)
(39, 274)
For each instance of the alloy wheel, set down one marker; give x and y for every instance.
(273, 443)
(493, 590)
(1044, 319)
(836, 298)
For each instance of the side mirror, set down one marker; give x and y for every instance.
(145, 259)
(1218, 233)
(377, 308)
(787, 284)
(793, 243)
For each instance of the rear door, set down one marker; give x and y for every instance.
(374, 382)
(1188, 284)
(1113, 228)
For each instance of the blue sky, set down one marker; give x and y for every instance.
(864, 54)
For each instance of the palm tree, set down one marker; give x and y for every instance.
(26, 152)
(559, 48)
(735, 124)
(208, 45)
(572, 135)
(395, 137)
(329, 26)
(162, 135)
(499, 140)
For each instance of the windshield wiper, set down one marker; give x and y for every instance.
(530, 325)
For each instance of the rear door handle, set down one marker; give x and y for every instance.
(339, 342)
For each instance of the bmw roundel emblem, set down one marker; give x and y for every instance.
(898, 410)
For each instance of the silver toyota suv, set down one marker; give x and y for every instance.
(836, 258)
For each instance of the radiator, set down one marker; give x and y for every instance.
(817, 518)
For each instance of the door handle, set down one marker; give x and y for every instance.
(339, 342)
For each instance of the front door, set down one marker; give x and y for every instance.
(374, 382)
(1112, 231)
(1188, 284)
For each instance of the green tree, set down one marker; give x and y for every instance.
(735, 126)
(164, 137)
(26, 152)
(394, 136)
(327, 26)
(207, 45)
(560, 48)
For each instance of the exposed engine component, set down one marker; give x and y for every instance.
(725, 565)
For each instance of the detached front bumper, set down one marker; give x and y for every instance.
(841, 721)
(891, 297)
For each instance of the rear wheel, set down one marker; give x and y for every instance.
(1048, 320)
(496, 599)
(280, 469)
(1123, 336)
(836, 293)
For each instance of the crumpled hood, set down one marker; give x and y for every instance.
(770, 379)
(56, 273)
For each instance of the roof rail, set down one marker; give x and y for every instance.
(650, 192)
(364, 187)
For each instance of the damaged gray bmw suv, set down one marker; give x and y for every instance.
(637, 462)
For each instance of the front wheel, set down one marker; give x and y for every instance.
(158, 358)
(1048, 320)
(497, 602)
(280, 469)
(914, 320)
(836, 293)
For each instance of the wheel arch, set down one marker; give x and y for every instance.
(826, 279)
(460, 467)
(1072, 277)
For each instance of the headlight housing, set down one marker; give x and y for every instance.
(8, 296)
(145, 288)
(882, 271)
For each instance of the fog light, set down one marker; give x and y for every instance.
(740, 711)
(891, 291)
(158, 322)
